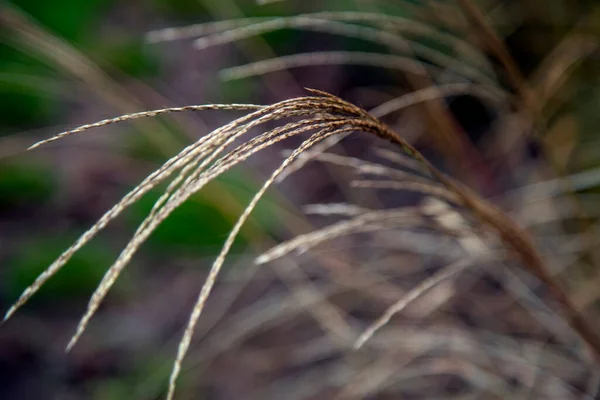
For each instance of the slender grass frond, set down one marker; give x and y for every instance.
(310, 154)
(363, 222)
(471, 242)
(298, 60)
(362, 262)
(445, 273)
(399, 23)
(147, 114)
(381, 37)
(414, 186)
(267, 139)
(398, 159)
(196, 30)
(329, 316)
(305, 23)
(373, 377)
(370, 168)
(389, 22)
(554, 69)
(430, 93)
(498, 47)
(268, 313)
(335, 209)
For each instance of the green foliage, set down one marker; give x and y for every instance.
(24, 184)
(197, 225)
(200, 225)
(79, 277)
(73, 20)
(24, 102)
(112, 389)
(144, 381)
(182, 9)
(128, 55)
(238, 90)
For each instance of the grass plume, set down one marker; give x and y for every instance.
(323, 115)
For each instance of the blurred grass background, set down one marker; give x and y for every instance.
(48, 197)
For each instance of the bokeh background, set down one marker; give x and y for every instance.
(69, 62)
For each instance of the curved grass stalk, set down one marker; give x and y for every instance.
(406, 64)
(300, 22)
(266, 313)
(393, 22)
(267, 139)
(196, 30)
(430, 93)
(310, 155)
(146, 114)
(368, 168)
(185, 173)
(398, 159)
(413, 294)
(364, 221)
(553, 72)
(414, 186)
(327, 315)
(348, 210)
(373, 35)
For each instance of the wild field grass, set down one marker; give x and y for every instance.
(438, 276)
